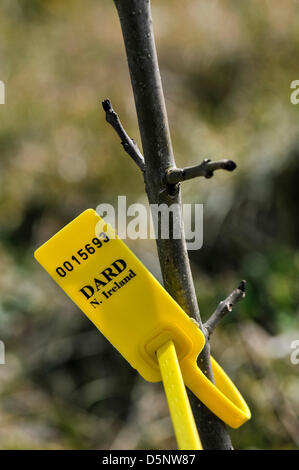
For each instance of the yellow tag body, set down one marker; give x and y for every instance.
(118, 294)
(135, 313)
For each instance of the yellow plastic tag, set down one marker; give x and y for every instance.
(118, 294)
(135, 313)
(177, 398)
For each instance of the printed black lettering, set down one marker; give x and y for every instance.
(94, 302)
(85, 290)
(108, 274)
(122, 266)
(99, 283)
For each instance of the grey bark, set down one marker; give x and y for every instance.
(136, 24)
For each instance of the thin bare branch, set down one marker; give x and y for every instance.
(206, 168)
(137, 28)
(223, 307)
(128, 144)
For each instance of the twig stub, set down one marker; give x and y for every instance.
(223, 307)
(128, 144)
(206, 168)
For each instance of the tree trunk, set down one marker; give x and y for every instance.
(136, 24)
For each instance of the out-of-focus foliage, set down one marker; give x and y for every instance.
(226, 69)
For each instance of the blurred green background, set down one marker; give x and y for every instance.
(226, 69)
